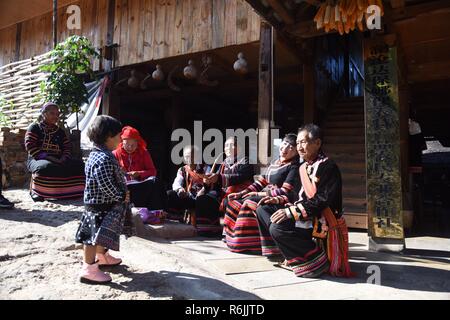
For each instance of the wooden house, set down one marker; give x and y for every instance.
(359, 86)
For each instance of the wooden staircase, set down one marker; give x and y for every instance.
(344, 142)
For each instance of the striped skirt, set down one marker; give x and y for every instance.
(302, 253)
(54, 181)
(241, 226)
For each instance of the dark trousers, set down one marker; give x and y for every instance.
(292, 241)
(70, 168)
(177, 204)
(149, 194)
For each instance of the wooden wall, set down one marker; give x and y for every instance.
(7, 45)
(144, 29)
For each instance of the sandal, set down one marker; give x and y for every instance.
(283, 265)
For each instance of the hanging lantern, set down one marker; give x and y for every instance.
(133, 81)
(190, 72)
(158, 74)
(241, 65)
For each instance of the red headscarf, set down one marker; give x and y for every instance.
(132, 133)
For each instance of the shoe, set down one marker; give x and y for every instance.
(5, 203)
(91, 274)
(37, 198)
(107, 260)
(276, 258)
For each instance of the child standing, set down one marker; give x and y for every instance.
(106, 201)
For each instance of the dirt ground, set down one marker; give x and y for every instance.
(39, 260)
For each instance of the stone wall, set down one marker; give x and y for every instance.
(14, 158)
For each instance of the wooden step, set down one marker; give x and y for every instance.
(351, 168)
(347, 157)
(331, 140)
(353, 191)
(345, 132)
(356, 220)
(347, 111)
(335, 148)
(356, 202)
(343, 124)
(353, 178)
(345, 117)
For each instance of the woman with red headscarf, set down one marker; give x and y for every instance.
(136, 161)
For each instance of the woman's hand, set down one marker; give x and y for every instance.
(235, 196)
(279, 216)
(254, 194)
(134, 175)
(211, 179)
(182, 193)
(267, 200)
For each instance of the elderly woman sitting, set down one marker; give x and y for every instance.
(55, 175)
(145, 189)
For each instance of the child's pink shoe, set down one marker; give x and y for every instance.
(91, 274)
(107, 260)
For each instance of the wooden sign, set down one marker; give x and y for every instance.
(384, 194)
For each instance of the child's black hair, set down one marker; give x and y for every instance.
(291, 138)
(102, 128)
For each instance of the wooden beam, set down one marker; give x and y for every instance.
(265, 93)
(282, 11)
(395, 4)
(409, 12)
(306, 29)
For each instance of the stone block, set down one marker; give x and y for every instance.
(168, 230)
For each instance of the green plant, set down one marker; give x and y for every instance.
(4, 119)
(65, 85)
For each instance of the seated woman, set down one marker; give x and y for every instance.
(233, 175)
(135, 160)
(318, 212)
(188, 192)
(55, 175)
(279, 184)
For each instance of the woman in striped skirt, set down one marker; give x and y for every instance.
(280, 183)
(55, 175)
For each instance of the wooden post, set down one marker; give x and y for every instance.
(110, 34)
(55, 23)
(384, 187)
(265, 93)
(309, 95)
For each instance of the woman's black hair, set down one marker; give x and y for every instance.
(291, 138)
(102, 128)
(314, 132)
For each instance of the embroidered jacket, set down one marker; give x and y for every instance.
(42, 140)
